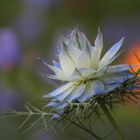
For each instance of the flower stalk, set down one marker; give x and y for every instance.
(81, 126)
(112, 121)
(87, 130)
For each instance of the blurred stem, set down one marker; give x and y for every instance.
(81, 126)
(87, 130)
(112, 121)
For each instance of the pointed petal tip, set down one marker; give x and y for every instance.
(52, 104)
(121, 40)
(99, 29)
(40, 59)
(119, 43)
(75, 30)
(99, 39)
(99, 33)
(46, 96)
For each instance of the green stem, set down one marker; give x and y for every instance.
(88, 131)
(81, 127)
(112, 121)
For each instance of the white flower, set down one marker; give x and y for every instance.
(86, 74)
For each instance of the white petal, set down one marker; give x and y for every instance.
(74, 54)
(110, 54)
(87, 72)
(98, 46)
(118, 68)
(76, 93)
(75, 76)
(98, 74)
(62, 105)
(93, 88)
(57, 105)
(60, 90)
(52, 104)
(56, 70)
(66, 63)
(63, 77)
(64, 94)
(121, 68)
(84, 60)
(83, 73)
(99, 42)
(94, 57)
(116, 77)
(111, 87)
(109, 62)
(58, 77)
(78, 39)
(56, 64)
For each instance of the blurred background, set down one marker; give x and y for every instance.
(30, 28)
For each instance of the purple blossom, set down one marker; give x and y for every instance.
(9, 49)
(31, 22)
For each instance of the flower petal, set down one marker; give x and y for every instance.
(66, 62)
(94, 58)
(83, 73)
(62, 105)
(56, 64)
(118, 68)
(74, 54)
(110, 54)
(60, 90)
(121, 68)
(56, 70)
(111, 78)
(64, 94)
(98, 74)
(52, 104)
(99, 42)
(84, 60)
(111, 87)
(60, 77)
(93, 88)
(78, 91)
(78, 39)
